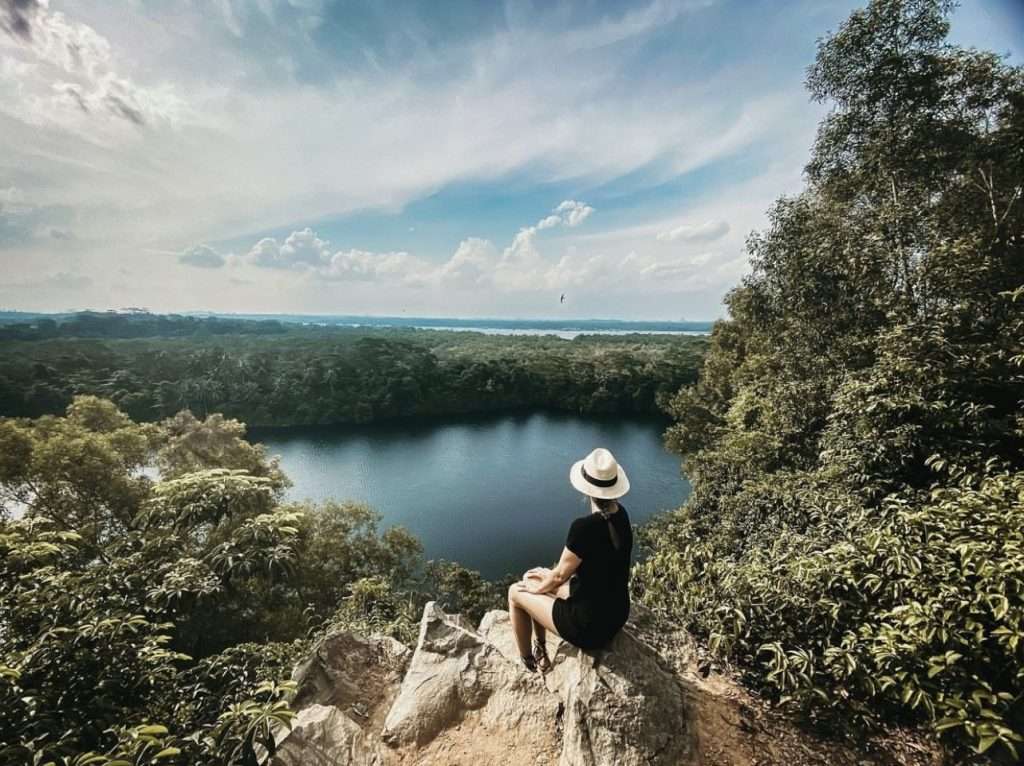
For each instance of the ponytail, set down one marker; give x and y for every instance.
(606, 508)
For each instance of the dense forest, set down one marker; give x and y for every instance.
(856, 439)
(265, 373)
(128, 324)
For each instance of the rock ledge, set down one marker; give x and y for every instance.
(461, 698)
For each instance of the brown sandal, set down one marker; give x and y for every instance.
(540, 656)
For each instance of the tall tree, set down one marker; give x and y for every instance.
(855, 439)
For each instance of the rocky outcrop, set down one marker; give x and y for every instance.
(459, 683)
(620, 705)
(461, 698)
(464, 697)
(345, 689)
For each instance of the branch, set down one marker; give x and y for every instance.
(1009, 205)
(991, 198)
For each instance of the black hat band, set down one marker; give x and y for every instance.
(599, 482)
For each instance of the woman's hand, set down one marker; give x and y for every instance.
(541, 580)
(531, 585)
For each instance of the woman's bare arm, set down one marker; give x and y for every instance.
(552, 579)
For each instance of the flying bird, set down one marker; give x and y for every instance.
(562, 300)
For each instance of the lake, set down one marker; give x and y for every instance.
(489, 492)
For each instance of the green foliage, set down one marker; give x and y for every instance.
(855, 439)
(311, 375)
(140, 324)
(462, 591)
(149, 619)
(375, 605)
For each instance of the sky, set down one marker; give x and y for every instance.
(473, 159)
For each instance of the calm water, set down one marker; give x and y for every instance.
(492, 493)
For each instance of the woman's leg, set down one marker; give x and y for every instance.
(525, 609)
(539, 631)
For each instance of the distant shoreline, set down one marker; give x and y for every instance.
(492, 323)
(565, 328)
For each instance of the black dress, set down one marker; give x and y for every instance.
(598, 603)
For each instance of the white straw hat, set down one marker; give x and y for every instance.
(598, 475)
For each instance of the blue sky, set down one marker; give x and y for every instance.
(457, 158)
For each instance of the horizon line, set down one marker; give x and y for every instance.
(205, 312)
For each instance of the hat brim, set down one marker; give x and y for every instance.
(618, 489)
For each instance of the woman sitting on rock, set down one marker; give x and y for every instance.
(585, 598)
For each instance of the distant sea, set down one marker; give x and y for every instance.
(562, 328)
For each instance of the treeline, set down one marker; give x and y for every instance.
(854, 539)
(317, 375)
(156, 621)
(110, 324)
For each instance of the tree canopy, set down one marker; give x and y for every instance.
(855, 440)
(144, 613)
(332, 375)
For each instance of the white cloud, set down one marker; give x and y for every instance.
(301, 250)
(66, 75)
(574, 213)
(705, 232)
(202, 256)
(477, 265)
(523, 267)
(234, 143)
(362, 265)
(305, 251)
(471, 266)
(519, 98)
(519, 267)
(569, 213)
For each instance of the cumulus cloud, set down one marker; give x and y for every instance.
(708, 231)
(302, 249)
(363, 265)
(202, 256)
(522, 266)
(569, 213)
(305, 251)
(574, 213)
(521, 263)
(471, 266)
(475, 263)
